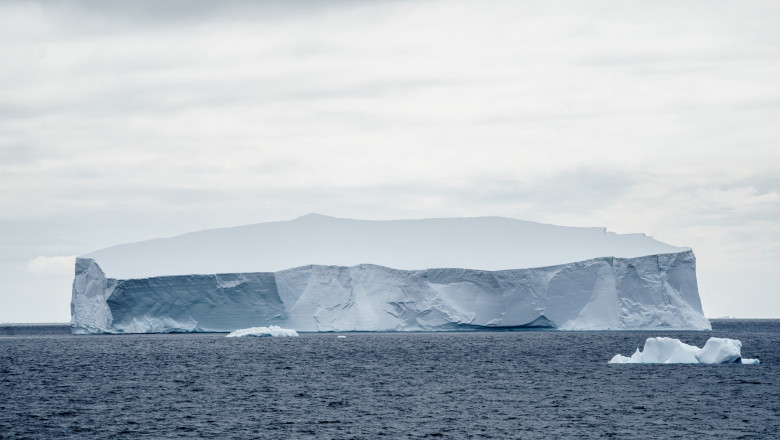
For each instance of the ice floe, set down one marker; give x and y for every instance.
(272, 331)
(673, 351)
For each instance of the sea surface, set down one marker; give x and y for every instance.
(530, 384)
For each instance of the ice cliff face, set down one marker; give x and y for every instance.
(647, 292)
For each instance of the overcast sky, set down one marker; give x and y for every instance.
(122, 121)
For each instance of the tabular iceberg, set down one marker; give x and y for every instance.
(383, 276)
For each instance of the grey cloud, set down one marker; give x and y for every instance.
(761, 105)
(764, 183)
(13, 155)
(118, 15)
(702, 208)
(164, 98)
(578, 190)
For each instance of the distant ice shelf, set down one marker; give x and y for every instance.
(453, 274)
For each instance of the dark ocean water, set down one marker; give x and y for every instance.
(381, 385)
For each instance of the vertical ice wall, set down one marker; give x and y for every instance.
(89, 310)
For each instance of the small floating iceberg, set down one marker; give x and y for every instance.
(272, 331)
(674, 351)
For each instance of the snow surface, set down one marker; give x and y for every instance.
(274, 331)
(674, 351)
(651, 292)
(485, 243)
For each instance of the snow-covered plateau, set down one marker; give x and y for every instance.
(674, 351)
(319, 273)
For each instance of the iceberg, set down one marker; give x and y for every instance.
(272, 331)
(319, 273)
(673, 351)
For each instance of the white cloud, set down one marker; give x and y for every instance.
(59, 265)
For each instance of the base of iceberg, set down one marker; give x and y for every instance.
(272, 331)
(674, 351)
